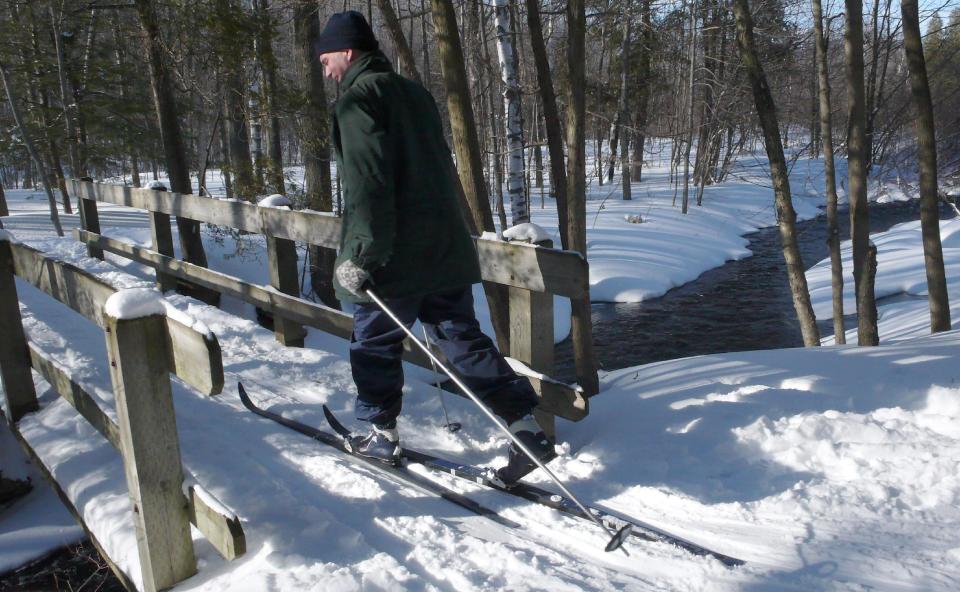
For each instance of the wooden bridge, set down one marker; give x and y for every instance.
(143, 352)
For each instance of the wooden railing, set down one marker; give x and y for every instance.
(533, 274)
(143, 352)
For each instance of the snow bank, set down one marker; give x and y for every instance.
(157, 186)
(884, 461)
(7, 236)
(901, 283)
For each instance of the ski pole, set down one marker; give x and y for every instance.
(451, 427)
(617, 537)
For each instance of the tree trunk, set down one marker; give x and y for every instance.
(537, 152)
(643, 95)
(231, 68)
(43, 98)
(407, 62)
(927, 145)
(692, 58)
(77, 168)
(830, 175)
(467, 148)
(244, 184)
(315, 139)
(766, 110)
(857, 166)
(814, 103)
(576, 230)
(118, 56)
(516, 187)
(427, 78)
(619, 126)
(28, 143)
(254, 115)
(551, 116)
(225, 154)
(178, 171)
(268, 71)
(135, 166)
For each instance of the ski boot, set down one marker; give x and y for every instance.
(528, 431)
(381, 443)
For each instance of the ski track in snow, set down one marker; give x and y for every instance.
(825, 469)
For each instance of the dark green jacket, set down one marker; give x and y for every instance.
(401, 219)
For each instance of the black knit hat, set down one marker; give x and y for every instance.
(345, 30)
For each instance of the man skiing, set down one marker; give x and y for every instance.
(404, 238)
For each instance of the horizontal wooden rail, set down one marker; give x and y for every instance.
(556, 398)
(302, 311)
(222, 530)
(193, 356)
(564, 273)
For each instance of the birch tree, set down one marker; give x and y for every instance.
(516, 189)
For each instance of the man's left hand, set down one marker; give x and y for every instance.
(352, 278)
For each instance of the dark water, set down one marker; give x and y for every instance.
(75, 568)
(743, 305)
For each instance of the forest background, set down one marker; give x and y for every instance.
(122, 91)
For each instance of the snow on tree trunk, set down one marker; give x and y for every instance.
(520, 208)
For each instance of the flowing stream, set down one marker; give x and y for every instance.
(742, 305)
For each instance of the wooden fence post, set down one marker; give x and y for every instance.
(162, 243)
(282, 258)
(89, 219)
(150, 447)
(21, 398)
(531, 334)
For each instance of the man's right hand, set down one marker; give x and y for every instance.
(352, 278)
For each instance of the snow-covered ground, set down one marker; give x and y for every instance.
(828, 468)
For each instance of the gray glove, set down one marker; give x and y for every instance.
(351, 277)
